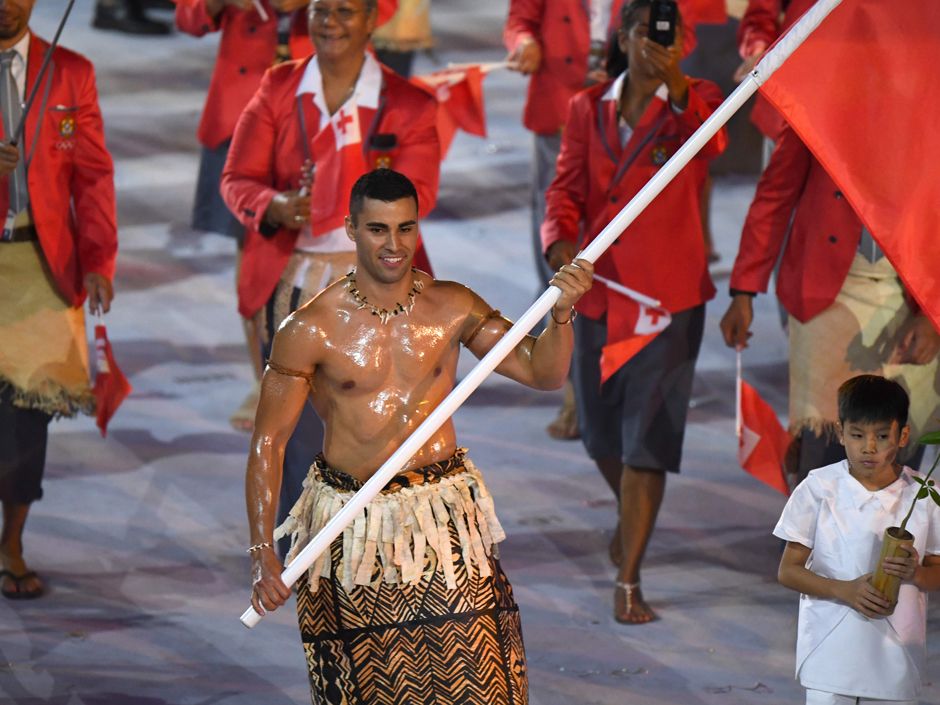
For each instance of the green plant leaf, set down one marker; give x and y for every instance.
(935, 496)
(923, 493)
(918, 480)
(930, 439)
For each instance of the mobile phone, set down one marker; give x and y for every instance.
(663, 16)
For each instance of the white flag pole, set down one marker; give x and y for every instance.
(259, 8)
(738, 418)
(628, 292)
(773, 59)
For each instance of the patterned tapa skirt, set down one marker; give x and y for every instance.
(411, 606)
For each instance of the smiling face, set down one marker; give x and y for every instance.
(872, 449)
(386, 235)
(341, 28)
(14, 19)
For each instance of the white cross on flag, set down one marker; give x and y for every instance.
(762, 441)
(346, 131)
(339, 161)
(633, 321)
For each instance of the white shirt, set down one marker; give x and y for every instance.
(837, 649)
(365, 94)
(615, 92)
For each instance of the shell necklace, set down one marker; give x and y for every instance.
(383, 313)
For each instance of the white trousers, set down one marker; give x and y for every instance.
(821, 697)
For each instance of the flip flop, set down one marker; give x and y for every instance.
(18, 580)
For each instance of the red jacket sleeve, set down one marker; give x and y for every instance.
(524, 20)
(92, 187)
(193, 18)
(704, 98)
(248, 177)
(768, 219)
(566, 197)
(760, 26)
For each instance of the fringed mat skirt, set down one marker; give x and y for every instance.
(411, 606)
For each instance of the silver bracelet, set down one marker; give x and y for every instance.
(571, 316)
(258, 547)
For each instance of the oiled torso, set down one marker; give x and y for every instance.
(375, 383)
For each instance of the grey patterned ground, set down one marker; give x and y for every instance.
(141, 535)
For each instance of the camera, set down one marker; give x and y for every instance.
(663, 16)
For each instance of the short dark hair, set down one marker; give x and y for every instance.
(630, 13)
(871, 399)
(380, 185)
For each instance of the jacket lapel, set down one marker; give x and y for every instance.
(37, 52)
(650, 122)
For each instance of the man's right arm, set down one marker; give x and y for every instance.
(521, 35)
(199, 17)
(247, 186)
(765, 229)
(284, 390)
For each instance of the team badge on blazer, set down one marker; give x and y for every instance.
(659, 155)
(67, 127)
(385, 143)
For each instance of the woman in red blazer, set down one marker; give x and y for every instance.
(617, 136)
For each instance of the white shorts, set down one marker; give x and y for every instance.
(821, 697)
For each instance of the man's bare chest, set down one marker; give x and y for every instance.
(403, 356)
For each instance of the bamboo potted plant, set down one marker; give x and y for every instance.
(896, 537)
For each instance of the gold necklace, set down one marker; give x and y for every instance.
(383, 313)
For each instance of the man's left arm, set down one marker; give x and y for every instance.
(540, 363)
(92, 196)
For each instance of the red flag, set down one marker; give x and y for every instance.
(633, 321)
(460, 101)
(387, 10)
(861, 92)
(762, 441)
(340, 143)
(111, 386)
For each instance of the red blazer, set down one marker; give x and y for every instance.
(69, 171)
(822, 240)
(763, 22)
(246, 51)
(662, 253)
(267, 155)
(561, 27)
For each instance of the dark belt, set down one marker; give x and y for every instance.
(26, 233)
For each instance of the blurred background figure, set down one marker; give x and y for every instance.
(130, 16)
(252, 41)
(632, 414)
(561, 46)
(404, 27)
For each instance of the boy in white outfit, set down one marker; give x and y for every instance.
(851, 648)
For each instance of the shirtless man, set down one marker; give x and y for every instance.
(416, 574)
